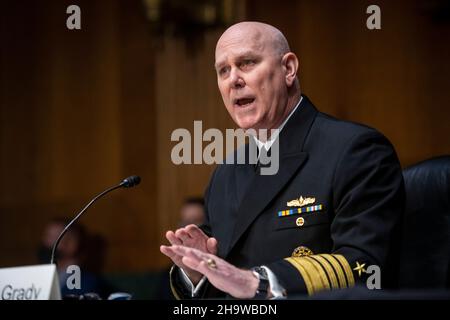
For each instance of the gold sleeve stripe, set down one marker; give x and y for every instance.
(316, 270)
(323, 271)
(312, 272)
(174, 291)
(316, 281)
(341, 267)
(347, 269)
(303, 273)
(337, 267)
(328, 269)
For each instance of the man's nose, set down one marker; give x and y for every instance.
(236, 79)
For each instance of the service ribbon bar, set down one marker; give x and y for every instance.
(299, 210)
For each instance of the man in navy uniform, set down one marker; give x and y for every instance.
(331, 210)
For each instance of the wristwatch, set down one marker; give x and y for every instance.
(263, 290)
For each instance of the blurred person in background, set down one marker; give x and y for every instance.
(51, 232)
(192, 211)
(75, 248)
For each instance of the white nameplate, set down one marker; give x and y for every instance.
(30, 283)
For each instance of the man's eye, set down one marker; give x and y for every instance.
(248, 62)
(223, 71)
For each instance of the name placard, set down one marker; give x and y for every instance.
(38, 282)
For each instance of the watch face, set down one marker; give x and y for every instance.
(263, 286)
(262, 273)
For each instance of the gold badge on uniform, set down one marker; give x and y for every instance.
(300, 222)
(301, 252)
(300, 202)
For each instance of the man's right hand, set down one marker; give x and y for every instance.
(193, 237)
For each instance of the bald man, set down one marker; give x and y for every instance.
(330, 212)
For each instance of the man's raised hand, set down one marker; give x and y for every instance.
(190, 236)
(239, 283)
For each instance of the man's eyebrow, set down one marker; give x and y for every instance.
(246, 54)
(239, 56)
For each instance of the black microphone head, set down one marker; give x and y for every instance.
(131, 181)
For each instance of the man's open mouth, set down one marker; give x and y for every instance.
(243, 102)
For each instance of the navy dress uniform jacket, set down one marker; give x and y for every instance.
(353, 174)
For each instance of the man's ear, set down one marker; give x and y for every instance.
(290, 63)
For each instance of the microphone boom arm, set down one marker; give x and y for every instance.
(78, 216)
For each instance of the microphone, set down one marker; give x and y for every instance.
(129, 182)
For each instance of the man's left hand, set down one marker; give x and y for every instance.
(239, 283)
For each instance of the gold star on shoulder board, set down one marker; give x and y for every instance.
(359, 268)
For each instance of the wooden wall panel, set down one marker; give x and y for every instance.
(393, 79)
(76, 118)
(191, 75)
